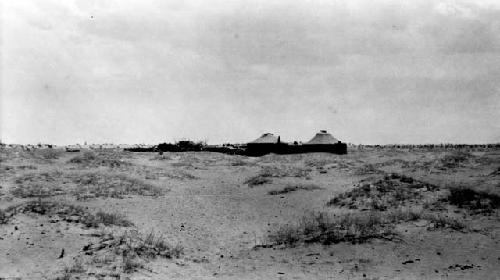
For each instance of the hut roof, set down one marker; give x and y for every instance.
(322, 138)
(266, 138)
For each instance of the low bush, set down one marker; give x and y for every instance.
(131, 243)
(83, 184)
(468, 198)
(86, 157)
(92, 159)
(326, 229)
(323, 228)
(390, 192)
(112, 219)
(454, 159)
(268, 172)
(115, 185)
(128, 251)
(444, 221)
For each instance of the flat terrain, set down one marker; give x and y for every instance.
(371, 214)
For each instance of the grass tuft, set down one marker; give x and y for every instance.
(112, 219)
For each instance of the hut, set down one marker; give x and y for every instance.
(265, 144)
(266, 138)
(325, 142)
(322, 138)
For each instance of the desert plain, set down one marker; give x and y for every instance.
(375, 213)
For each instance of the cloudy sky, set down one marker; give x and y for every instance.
(137, 71)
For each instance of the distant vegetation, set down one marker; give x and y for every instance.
(91, 159)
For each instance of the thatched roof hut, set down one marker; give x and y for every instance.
(322, 138)
(266, 138)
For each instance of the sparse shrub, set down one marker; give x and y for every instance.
(176, 251)
(4, 218)
(84, 184)
(464, 197)
(41, 189)
(439, 220)
(36, 177)
(455, 159)
(390, 192)
(257, 180)
(112, 219)
(85, 158)
(133, 248)
(70, 213)
(268, 172)
(91, 159)
(38, 184)
(161, 156)
(286, 235)
(131, 263)
(326, 229)
(368, 169)
(186, 164)
(29, 167)
(284, 171)
(77, 267)
(496, 172)
(239, 162)
(115, 185)
(49, 153)
(404, 215)
(294, 187)
(64, 276)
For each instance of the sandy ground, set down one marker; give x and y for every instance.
(222, 222)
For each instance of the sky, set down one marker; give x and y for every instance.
(369, 72)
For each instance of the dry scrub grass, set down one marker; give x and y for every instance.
(257, 180)
(295, 187)
(91, 159)
(368, 169)
(268, 172)
(324, 228)
(82, 184)
(476, 201)
(454, 159)
(115, 185)
(125, 252)
(67, 212)
(390, 192)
